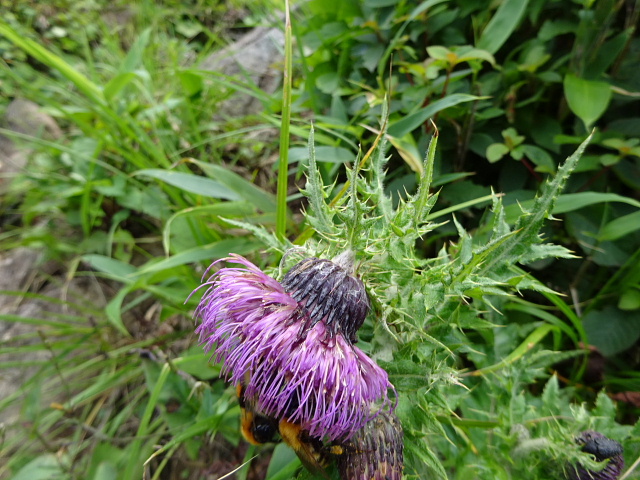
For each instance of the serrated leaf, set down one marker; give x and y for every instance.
(529, 224)
(604, 406)
(314, 190)
(538, 252)
(427, 457)
(551, 394)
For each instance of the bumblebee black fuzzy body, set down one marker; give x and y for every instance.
(258, 429)
(255, 427)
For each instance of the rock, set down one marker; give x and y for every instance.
(257, 57)
(25, 117)
(19, 266)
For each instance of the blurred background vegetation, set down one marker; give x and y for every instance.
(145, 152)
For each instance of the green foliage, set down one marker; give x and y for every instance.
(145, 188)
(511, 80)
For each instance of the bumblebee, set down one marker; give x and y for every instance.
(258, 429)
(374, 452)
(255, 427)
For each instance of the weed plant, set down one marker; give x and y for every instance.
(488, 359)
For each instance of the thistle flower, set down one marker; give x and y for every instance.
(602, 448)
(374, 452)
(294, 357)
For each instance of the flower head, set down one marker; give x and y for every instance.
(602, 448)
(291, 356)
(374, 452)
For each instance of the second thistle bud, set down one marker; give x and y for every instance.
(375, 452)
(603, 449)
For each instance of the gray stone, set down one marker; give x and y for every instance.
(257, 57)
(24, 117)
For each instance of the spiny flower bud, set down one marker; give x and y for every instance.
(328, 294)
(375, 452)
(602, 448)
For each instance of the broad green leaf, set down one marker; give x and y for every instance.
(323, 154)
(620, 227)
(476, 54)
(380, 3)
(238, 186)
(439, 52)
(213, 251)
(573, 201)
(588, 99)
(191, 183)
(397, 38)
(284, 463)
(542, 160)
(113, 310)
(611, 330)
(328, 82)
(191, 82)
(502, 25)
(135, 56)
(630, 300)
(408, 150)
(413, 121)
(44, 467)
(221, 209)
(496, 151)
(106, 471)
(117, 83)
(114, 268)
(191, 363)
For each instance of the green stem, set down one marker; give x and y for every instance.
(283, 168)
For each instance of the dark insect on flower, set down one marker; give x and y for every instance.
(258, 429)
(295, 358)
(603, 449)
(255, 427)
(375, 452)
